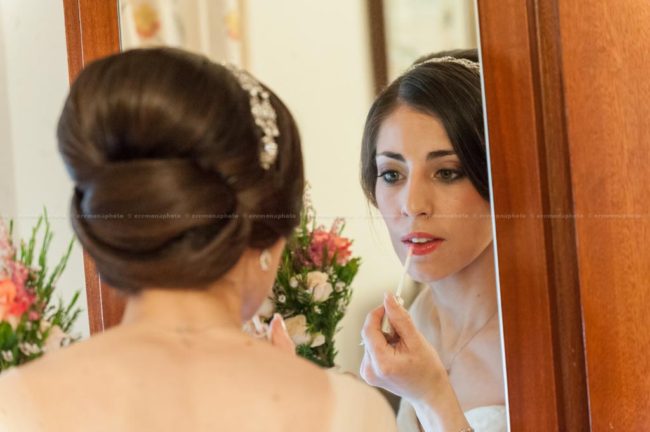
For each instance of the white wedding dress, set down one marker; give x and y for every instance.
(482, 419)
(489, 418)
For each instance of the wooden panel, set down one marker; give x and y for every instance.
(573, 405)
(525, 249)
(92, 32)
(605, 64)
(377, 25)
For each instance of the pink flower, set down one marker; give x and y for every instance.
(7, 297)
(19, 272)
(24, 298)
(331, 242)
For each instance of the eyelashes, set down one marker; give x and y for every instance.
(390, 176)
(444, 175)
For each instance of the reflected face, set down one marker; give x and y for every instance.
(426, 199)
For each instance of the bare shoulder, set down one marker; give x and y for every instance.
(360, 407)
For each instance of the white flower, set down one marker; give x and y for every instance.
(322, 292)
(339, 286)
(282, 298)
(297, 329)
(317, 310)
(318, 285)
(29, 348)
(7, 356)
(293, 282)
(315, 278)
(55, 339)
(266, 308)
(319, 339)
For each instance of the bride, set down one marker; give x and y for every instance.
(424, 167)
(180, 168)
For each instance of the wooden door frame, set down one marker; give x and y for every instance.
(92, 31)
(533, 206)
(539, 286)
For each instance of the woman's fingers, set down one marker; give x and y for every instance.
(279, 335)
(399, 318)
(367, 371)
(373, 339)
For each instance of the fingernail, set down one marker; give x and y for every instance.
(277, 316)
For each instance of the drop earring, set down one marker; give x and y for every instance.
(265, 260)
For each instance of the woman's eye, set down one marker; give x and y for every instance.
(449, 175)
(390, 176)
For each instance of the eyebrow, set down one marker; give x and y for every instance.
(431, 155)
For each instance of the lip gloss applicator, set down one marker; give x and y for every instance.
(386, 327)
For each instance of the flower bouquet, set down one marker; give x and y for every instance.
(30, 324)
(312, 289)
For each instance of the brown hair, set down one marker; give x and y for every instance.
(448, 91)
(164, 153)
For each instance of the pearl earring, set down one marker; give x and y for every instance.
(265, 260)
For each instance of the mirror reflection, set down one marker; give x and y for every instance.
(398, 199)
(423, 160)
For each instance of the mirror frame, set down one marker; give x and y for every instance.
(539, 288)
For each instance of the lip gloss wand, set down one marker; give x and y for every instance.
(386, 327)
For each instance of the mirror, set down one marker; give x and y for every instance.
(326, 60)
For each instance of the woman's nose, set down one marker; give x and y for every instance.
(417, 200)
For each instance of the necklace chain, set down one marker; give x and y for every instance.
(467, 342)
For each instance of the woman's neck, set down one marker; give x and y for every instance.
(469, 296)
(218, 306)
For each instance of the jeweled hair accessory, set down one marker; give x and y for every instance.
(474, 66)
(263, 114)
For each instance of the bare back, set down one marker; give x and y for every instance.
(137, 378)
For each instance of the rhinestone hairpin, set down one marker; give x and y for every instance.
(263, 114)
(474, 66)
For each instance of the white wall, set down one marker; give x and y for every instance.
(33, 85)
(316, 56)
(7, 184)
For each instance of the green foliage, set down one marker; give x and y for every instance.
(293, 296)
(23, 338)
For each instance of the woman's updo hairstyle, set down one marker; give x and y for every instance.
(446, 90)
(165, 156)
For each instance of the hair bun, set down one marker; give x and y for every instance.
(146, 210)
(160, 199)
(149, 137)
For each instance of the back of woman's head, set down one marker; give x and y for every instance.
(447, 90)
(165, 154)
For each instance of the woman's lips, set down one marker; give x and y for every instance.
(422, 243)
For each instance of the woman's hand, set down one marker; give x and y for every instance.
(409, 367)
(279, 336)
